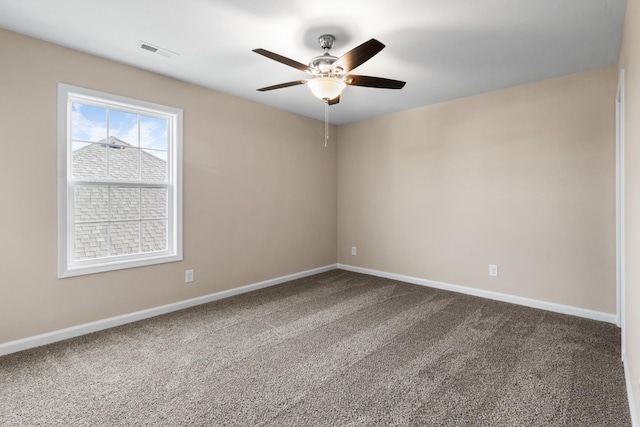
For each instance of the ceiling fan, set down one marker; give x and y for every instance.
(329, 74)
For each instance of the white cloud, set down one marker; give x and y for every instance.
(84, 128)
(153, 133)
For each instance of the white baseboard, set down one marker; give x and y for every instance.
(632, 406)
(549, 306)
(87, 328)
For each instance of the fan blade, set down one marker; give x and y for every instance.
(334, 100)
(379, 82)
(284, 60)
(358, 56)
(281, 85)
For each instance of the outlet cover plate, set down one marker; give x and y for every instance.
(188, 276)
(493, 270)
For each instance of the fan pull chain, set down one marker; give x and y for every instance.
(326, 122)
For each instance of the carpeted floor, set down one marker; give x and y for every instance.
(335, 349)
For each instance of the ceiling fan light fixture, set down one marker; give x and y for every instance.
(326, 88)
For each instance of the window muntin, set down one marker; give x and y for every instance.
(119, 182)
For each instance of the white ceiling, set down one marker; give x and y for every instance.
(442, 49)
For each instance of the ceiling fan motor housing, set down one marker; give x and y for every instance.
(321, 65)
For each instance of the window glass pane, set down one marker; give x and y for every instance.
(88, 123)
(125, 203)
(153, 133)
(154, 236)
(90, 203)
(90, 241)
(153, 165)
(123, 162)
(123, 127)
(88, 161)
(125, 238)
(154, 203)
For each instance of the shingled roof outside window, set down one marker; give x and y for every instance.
(141, 210)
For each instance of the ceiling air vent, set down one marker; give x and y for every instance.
(157, 49)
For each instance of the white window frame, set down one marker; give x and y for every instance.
(67, 265)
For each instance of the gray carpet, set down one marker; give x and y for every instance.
(335, 349)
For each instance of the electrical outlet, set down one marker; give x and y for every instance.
(493, 270)
(353, 250)
(188, 276)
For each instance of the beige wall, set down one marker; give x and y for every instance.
(523, 178)
(630, 62)
(259, 193)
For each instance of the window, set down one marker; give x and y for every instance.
(119, 182)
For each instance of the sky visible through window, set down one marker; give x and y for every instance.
(95, 124)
